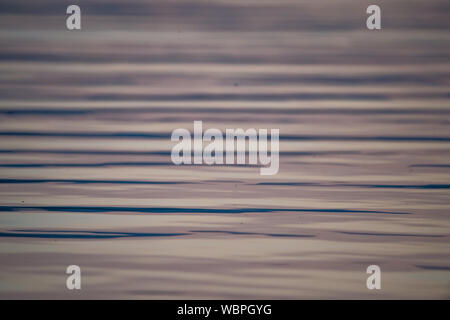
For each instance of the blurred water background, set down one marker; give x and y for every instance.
(85, 170)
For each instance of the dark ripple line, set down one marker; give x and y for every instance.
(88, 152)
(159, 153)
(113, 234)
(392, 234)
(115, 164)
(248, 97)
(99, 209)
(443, 268)
(74, 234)
(350, 80)
(141, 135)
(354, 138)
(87, 181)
(256, 233)
(382, 186)
(430, 166)
(155, 135)
(84, 165)
(297, 184)
(339, 111)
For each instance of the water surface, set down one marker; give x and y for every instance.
(86, 176)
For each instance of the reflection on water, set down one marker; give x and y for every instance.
(74, 234)
(85, 170)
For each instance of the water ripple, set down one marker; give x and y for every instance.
(180, 210)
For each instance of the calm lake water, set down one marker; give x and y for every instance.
(86, 176)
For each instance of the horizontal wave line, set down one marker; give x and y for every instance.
(102, 209)
(84, 165)
(393, 234)
(160, 153)
(115, 164)
(382, 186)
(316, 111)
(86, 181)
(156, 135)
(74, 234)
(295, 184)
(87, 234)
(287, 235)
(251, 97)
(439, 165)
